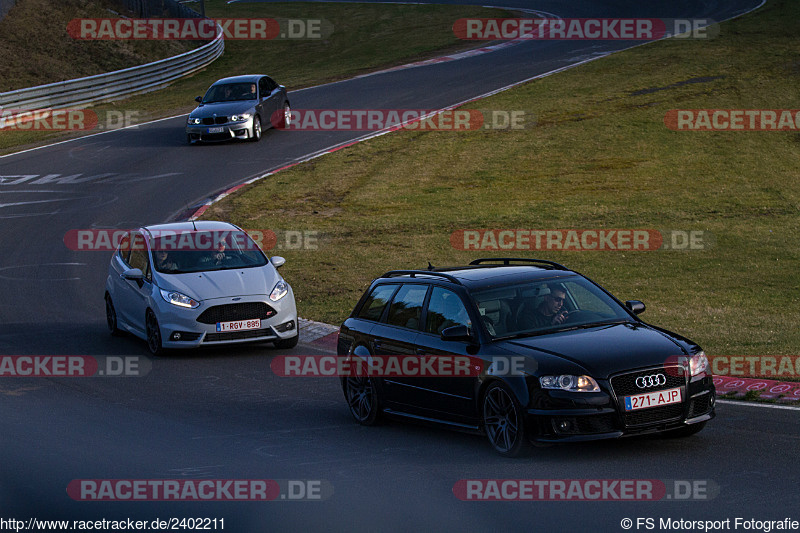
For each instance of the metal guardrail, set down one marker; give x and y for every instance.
(113, 85)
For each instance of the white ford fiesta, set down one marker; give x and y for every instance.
(190, 284)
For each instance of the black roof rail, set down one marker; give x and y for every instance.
(507, 261)
(414, 273)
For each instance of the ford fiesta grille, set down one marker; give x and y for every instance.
(232, 312)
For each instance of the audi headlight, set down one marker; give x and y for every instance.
(698, 364)
(193, 120)
(181, 300)
(280, 290)
(569, 383)
(241, 118)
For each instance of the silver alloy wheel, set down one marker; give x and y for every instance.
(256, 136)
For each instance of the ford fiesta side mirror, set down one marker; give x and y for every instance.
(199, 99)
(635, 306)
(456, 333)
(133, 274)
(277, 261)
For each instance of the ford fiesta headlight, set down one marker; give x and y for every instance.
(193, 120)
(698, 364)
(181, 300)
(280, 290)
(241, 118)
(569, 383)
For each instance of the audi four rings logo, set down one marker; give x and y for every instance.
(644, 382)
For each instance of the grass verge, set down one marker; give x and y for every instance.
(599, 156)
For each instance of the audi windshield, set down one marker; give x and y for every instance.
(533, 308)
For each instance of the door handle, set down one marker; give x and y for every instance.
(420, 351)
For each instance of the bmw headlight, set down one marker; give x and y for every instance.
(280, 290)
(569, 383)
(241, 118)
(698, 364)
(181, 300)
(193, 120)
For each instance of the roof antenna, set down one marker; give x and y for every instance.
(191, 217)
(430, 266)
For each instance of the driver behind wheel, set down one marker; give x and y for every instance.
(551, 311)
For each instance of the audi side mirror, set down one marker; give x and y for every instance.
(456, 333)
(635, 306)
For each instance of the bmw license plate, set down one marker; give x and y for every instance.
(239, 325)
(216, 130)
(653, 399)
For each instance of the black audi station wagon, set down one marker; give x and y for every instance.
(561, 359)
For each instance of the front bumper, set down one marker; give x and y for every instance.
(180, 327)
(220, 132)
(604, 416)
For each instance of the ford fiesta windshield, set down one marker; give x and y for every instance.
(205, 251)
(544, 306)
(230, 92)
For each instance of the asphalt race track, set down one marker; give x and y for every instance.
(223, 414)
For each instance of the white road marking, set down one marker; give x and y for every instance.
(764, 405)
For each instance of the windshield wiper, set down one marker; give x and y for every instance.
(593, 324)
(568, 327)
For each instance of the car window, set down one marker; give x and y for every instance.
(406, 306)
(138, 257)
(445, 310)
(376, 302)
(533, 307)
(230, 92)
(585, 300)
(205, 251)
(124, 249)
(263, 87)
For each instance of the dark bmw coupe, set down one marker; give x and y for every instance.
(554, 357)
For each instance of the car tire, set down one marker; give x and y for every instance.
(286, 344)
(111, 317)
(286, 117)
(255, 135)
(363, 399)
(683, 432)
(154, 340)
(503, 421)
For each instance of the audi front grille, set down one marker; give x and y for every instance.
(646, 381)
